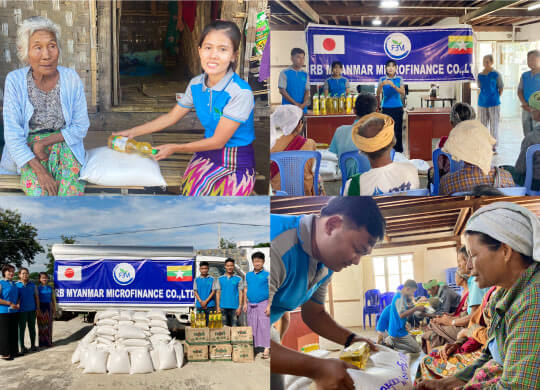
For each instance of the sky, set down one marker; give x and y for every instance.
(93, 215)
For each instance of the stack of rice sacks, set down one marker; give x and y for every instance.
(126, 342)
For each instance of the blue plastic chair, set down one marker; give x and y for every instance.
(281, 193)
(372, 305)
(291, 166)
(392, 154)
(399, 287)
(451, 275)
(454, 166)
(362, 165)
(386, 299)
(508, 191)
(421, 291)
(529, 172)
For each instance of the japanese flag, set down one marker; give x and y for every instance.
(69, 272)
(329, 44)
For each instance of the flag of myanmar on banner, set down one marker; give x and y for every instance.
(460, 44)
(179, 273)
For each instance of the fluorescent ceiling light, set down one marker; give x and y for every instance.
(389, 4)
(376, 22)
(533, 6)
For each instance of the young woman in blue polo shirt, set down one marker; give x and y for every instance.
(47, 308)
(223, 163)
(9, 306)
(391, 88)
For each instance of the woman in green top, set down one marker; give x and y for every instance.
(503, 241)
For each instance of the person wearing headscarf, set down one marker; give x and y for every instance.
(285, 128)
(471, 142)
(503, 240)
(373, 135)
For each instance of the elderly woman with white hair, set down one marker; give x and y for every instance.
(45, 115)
(503, 241)
(285, 128)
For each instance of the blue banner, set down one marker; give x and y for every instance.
(124, 282)
(421, 54)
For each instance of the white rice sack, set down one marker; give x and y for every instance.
(126, 315)
(134, 342)
(141, 362)
(147, 333)
(106, 336)
(142, 325)
(154, 354)
(160, 338)
(300, 382)
(106, 330)
(118, 362)
(130, 332)
(133, 349)
(167, 356)
(106, 314)
(328, 155)
(76, 354)
(140, 316)
(85, 350)
(125, 323)
(107, 167)
(156, 315)
(90, 336)
(160, 331)
(179, 351)
(107, 321)
(159, 324)
(96, 362)
(106, 341)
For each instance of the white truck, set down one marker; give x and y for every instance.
(88, 278)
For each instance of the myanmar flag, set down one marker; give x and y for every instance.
(460, 44)
(179, 273)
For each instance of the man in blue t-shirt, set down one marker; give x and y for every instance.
(230, 294)
(29, 304)
(305, 251)
(256, 305)
(529, 83)
(205, 287)
(293, 82)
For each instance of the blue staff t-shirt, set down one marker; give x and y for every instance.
(336, 86)
(396, 324)
(8, 292)
(230, 291)
(204, 287)
(45, 293)
(529, 84)
(391, 97)
(28, 296)
(257, 286)
(296, 83)
(489, 89)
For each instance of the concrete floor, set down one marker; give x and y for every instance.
(52, 369)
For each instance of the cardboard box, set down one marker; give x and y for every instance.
(242, 353)
(197, 353)
(197, 336)
(241, 335)
(221, 352)
(220, 335)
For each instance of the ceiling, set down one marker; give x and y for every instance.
(483, 14)
(412, 220)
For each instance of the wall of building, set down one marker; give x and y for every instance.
(73, 19)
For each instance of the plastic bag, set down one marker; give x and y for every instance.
(118, 362)
(159, 324)
(160, 331)
(106, 330)
(130, 332)
(141, 362)
(167, 356)
(156, 315)
(96, 362)
(107, 167)
(179, 351)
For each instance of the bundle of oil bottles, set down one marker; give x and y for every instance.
(198, 319)
(334, 104)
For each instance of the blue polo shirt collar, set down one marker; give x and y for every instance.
(317, 270)
(220, 86)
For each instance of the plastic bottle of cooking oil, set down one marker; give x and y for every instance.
(125, 145)
(335, 104)
(316, 99)
(211, 320)
(342, 103)
(219, 320)
(192, 318)
(323, 105)
(349, 103)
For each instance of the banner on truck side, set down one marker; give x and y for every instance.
(422, 54)
(124, 282)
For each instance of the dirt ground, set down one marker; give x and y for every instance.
(52, 369)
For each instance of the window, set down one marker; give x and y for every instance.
(391, 271)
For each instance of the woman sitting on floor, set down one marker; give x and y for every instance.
(471, 142)
(288, 121)
(503, 240)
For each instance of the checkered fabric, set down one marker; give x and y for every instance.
(469, 177)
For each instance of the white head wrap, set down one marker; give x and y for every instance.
(511, 224)
(283, 121)
(471, 142)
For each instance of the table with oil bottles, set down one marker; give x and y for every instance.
(327, 114)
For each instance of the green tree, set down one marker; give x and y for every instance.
(18, 240)
(226, 244)
(50, 257)
(262, 245)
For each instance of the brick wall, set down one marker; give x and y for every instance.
(73, 19)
